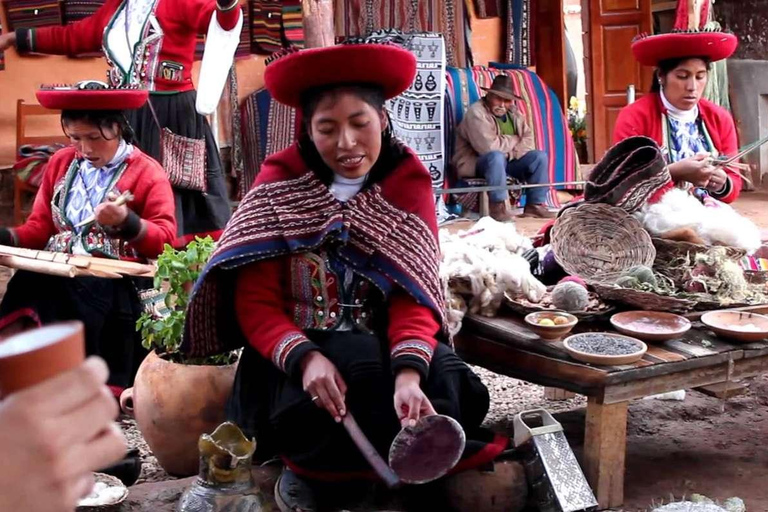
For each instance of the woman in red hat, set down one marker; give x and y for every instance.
(73, 213)
(151, 43)
(328, 274)
(690, 128)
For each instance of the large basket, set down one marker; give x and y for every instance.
(671, 250)
(639, 299)
(593, 239)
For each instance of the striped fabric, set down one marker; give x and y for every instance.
(265, 26)
(281, 127)
(488, 8)
(518, 36)
(293, 23)
(243, 47)
(255, 113)
(541, 107)
(32, 13)
(76, 10)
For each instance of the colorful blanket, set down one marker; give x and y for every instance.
(31, 13)
(76, 10)
(518, 36)
(540, 105)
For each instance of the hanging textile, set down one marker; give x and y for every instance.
(253, 123)
(281, 127)
(518, 36)
(542, 110)
(488, 8)
(32, 13)
(76, 10)
(293, 24)
(356, 18)
(243, 47)
(235, 124)
(417, 114)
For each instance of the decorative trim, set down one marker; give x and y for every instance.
(285, 346)
(417, 348)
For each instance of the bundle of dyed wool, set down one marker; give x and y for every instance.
(715, 223)
(483, 263)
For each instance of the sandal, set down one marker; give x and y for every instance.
(293, 494)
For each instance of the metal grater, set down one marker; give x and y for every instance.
(554, 474)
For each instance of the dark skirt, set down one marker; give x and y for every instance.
(196, 212)
(109, 309)
(268, 405)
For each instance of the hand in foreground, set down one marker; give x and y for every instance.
(53, 435)
(324, 383)
(410, 401)
(7, 41)
(717, 180)
(110, 214)
(696, 170)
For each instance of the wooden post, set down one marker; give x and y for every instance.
(605, 446)
(318, 23)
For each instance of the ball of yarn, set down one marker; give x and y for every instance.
(574, 279)
(570, 296)
(642, 274)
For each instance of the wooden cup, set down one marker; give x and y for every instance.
(30, 357)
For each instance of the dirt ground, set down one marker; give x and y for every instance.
(701, 445)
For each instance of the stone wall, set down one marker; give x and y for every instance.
(747, 19)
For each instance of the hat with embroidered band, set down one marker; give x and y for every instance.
(694, 35)
(290, 74)
(90, 95)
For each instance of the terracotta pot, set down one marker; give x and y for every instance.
(174, 404)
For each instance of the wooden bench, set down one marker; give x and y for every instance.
(505, 345)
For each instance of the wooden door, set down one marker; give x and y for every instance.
(610, 26)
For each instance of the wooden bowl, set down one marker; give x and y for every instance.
(650, 325)
(737, 325)
(600, 359)
(550, 332)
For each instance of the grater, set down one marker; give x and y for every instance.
(554, 474)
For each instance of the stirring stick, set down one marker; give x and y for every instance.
(121, 200)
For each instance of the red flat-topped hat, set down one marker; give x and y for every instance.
(291, 74)
(90, 95)
(689, 38)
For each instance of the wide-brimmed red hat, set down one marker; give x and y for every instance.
(387, 66)
(90, 95)
(689, 38)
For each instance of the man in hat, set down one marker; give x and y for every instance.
(493, 142)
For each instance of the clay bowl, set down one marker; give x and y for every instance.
(107, 502)
(602, 359)
(737, 325)
(550, 332)
(650, 325)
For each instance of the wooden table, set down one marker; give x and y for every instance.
(506, 346)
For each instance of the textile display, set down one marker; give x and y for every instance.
(243, 47)
(541, 108)
(32, 13)
(76, 10)
(266, 26)
(357, 18)
(417, 114)
(518, 36)
(253, 128)
(31, 162)
(293, 23)
(235, 121)
(489, 8)
(281, 127)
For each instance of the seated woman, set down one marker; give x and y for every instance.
(690, 128)
(78, 184)
(328, 273)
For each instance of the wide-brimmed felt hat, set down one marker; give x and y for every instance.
(628, 175)
(90, 95)
(289, 75)
(502, 87)
(692, 36)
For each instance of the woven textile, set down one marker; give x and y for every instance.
(489, 8)
(356, 18)
(518, 36)
(266, 26)
(184, 161)
(293, 23)
(238, 162)
(32, 13)
(417, 114)
(76, 10)
(281, 127)
(541, 108)
(243, 47)
(255, 114)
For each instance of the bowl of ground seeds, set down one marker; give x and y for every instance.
(604, 348)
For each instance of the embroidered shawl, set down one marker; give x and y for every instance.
(387, 233)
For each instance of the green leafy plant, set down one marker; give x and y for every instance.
(162, 328)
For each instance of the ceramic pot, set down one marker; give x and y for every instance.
(174, 404)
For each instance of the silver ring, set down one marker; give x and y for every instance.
(315, 398)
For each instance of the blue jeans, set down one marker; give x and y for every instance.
(531, 168)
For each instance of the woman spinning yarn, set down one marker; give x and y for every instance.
(328, 274)
(151, 43)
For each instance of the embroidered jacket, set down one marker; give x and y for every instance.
(646, 115)
(162, 60)
(279, 265)
(48, 228)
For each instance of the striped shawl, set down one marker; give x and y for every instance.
(386, 233)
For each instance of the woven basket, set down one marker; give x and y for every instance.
(642, 300)
(593, 239)
(670, 252)
(523, 307)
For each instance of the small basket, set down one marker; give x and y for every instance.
(639, 299)
(523, 306)
(593, 239)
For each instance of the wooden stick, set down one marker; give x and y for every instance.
(107, 266)
(121, 200)
(369, 452)
(39, 266)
